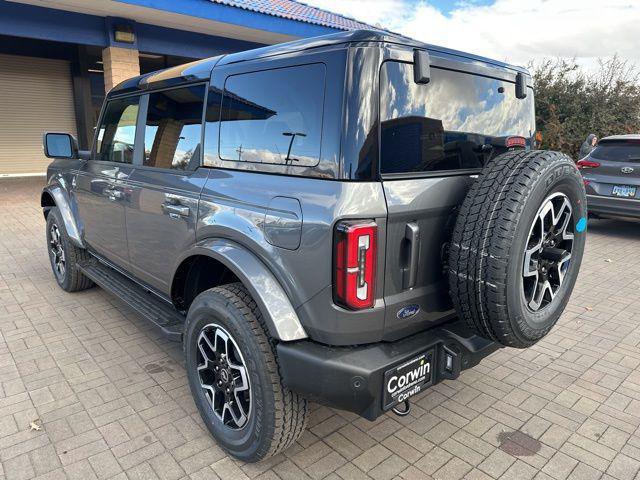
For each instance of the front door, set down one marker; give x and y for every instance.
(101, 186)
(161, 215)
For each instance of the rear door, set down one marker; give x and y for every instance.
(165, 188)
(618, 173)
(434, 138)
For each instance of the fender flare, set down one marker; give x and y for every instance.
(61, 199)
(278, 312)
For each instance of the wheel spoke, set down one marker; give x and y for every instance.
(204, 354)
(541, 290)
(224, 338)
(562, 271)
(531, 265)
(239, 417)
(244, 384)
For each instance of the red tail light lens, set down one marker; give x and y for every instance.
(355, 254)
(582, 164)
(513, 142)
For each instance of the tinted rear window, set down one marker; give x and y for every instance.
(454, 122)
(618, 151)
(273, 116)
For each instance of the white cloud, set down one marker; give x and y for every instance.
(517, 31)
(377, 12)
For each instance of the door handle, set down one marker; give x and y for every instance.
(176, 211)
(410, 273)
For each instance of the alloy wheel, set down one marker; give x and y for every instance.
(548, 252)
(223, 376)
(56, 251)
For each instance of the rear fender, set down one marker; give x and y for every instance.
(278, 312)
(61, 199)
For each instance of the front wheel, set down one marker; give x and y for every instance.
(233, 374)
(64, 255)
(517, 246)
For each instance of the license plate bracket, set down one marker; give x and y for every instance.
(624, 191)
(407, 379)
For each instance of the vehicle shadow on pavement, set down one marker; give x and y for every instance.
(613, 227)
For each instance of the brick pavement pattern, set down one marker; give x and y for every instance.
(112, 398)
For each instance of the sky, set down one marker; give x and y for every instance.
(516, 31)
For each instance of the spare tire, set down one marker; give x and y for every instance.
(517, 246)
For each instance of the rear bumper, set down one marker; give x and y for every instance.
(352, 378)
(624, 207)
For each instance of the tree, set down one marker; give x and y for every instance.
(570, 103)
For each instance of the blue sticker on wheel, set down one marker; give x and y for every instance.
(581, 226)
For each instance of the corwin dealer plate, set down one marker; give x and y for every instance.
(407, 379)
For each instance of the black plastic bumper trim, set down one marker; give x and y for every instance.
(351, 378)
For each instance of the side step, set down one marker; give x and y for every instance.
(161, 314)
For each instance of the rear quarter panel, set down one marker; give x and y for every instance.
(236, 205)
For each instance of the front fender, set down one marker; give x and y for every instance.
(61, 199)
(276, 308)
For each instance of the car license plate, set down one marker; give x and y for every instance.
(624, 191)
(407, 379)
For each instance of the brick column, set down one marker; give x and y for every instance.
(119, 64)
(166, 142)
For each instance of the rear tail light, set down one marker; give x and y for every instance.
(355, 254)
(513, 142)
(584, 163)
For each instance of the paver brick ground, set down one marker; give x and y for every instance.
(112, 398)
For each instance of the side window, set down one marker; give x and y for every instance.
(173, 128)
(273, 116)
(456, 121)
(117, 133)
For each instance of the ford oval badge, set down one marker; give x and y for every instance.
(408, 311)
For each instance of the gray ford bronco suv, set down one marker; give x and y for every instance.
(347, 220)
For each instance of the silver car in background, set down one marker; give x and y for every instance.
(611, 175)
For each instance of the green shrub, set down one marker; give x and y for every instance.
(570, 103)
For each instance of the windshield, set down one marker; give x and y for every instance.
(628, 151)
(456, 121)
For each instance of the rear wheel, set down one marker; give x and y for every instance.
(517, 246)
(64, 255)
(233, 374)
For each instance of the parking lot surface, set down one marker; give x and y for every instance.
(89, 390)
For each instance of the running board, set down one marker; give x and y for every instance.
(161, 314)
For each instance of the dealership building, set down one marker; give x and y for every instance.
(59, 57)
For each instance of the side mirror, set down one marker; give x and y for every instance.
(59, 145)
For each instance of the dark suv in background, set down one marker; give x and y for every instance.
(612, 177)
(348, 219)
